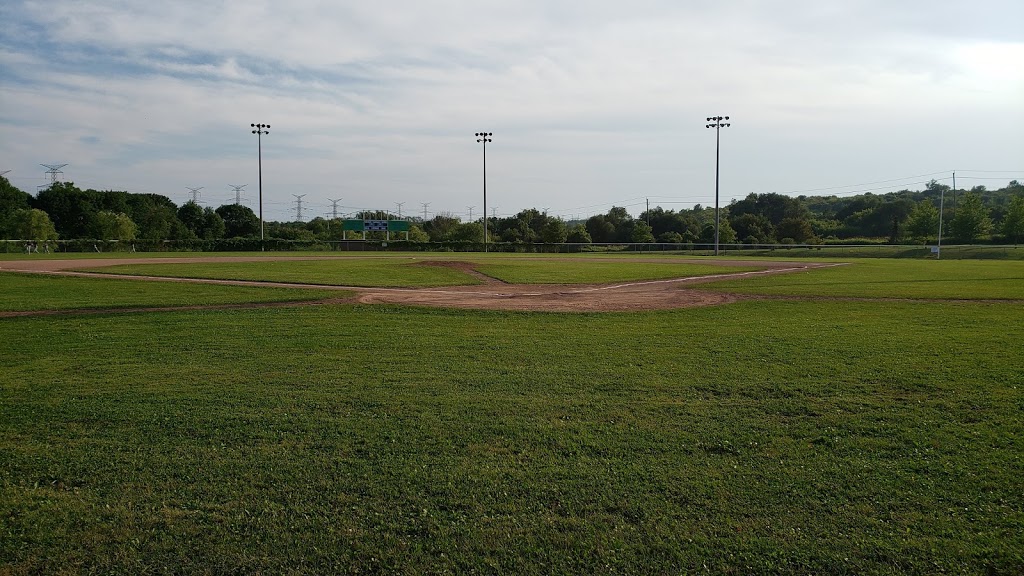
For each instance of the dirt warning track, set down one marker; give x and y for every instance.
(491, 294)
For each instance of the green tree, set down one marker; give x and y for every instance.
(239, 221)
(213, 225)
(1013, 222)
(971, 221)
(191, 215)
(799, 229)
(29, 224)
(416, 234)
(639, 232)
(72, 210)
(11, 198)
(578, 235)
(113, 226)
(554, 231)
(753, 226)
(600, 229)
(923, 222)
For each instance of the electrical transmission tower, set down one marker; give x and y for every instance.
(334, 207)
(195, 193)
(399, 204)
(470, 212)
(425, 204)
(4, 172)
(298, 206)
(53, 170)
(238, 192)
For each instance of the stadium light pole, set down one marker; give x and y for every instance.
(484, 138)
(259, 130)
(716, 123)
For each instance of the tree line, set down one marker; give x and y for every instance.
(978, 215)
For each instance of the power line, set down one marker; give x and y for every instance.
(53, 170)
(334, 207)
(298, 207)
(195, 193)
(237, 189)
(425, 204)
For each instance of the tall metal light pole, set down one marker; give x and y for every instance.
(484, 137)
(716, 123)
(259, 130)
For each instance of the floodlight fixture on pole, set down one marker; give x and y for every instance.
(259, 130)
(716, 123)
(484, 138)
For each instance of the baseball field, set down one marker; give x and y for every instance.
(510, 414)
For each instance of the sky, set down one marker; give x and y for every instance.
(591, 104)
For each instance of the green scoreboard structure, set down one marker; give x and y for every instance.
(387, 226)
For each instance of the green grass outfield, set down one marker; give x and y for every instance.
(27, 292)
(880, 278)
(764, 437)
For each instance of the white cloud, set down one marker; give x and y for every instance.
(590, 102)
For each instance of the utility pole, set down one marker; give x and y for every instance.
(716, 123)
(334, 207)
(238, 191)
(259, 130)
(399, 204)
(425, 204)
(484, 137)
(195, 193)
(298, 207)
(942, 201)
(954, 193)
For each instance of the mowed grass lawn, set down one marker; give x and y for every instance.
(585, 271)
(764, 437)
(371, 272)
(27, 292)
(428, 271)
(886, 278)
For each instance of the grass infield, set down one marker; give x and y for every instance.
(425, 271)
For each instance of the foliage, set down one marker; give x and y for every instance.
(28, 224)
(578, 235)
(1013, 222)
(554, 231)
(972, 220)
(113, 226)
(416, 234)
(923, 222)
(239, 221)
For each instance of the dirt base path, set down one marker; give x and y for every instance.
(493, 294)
